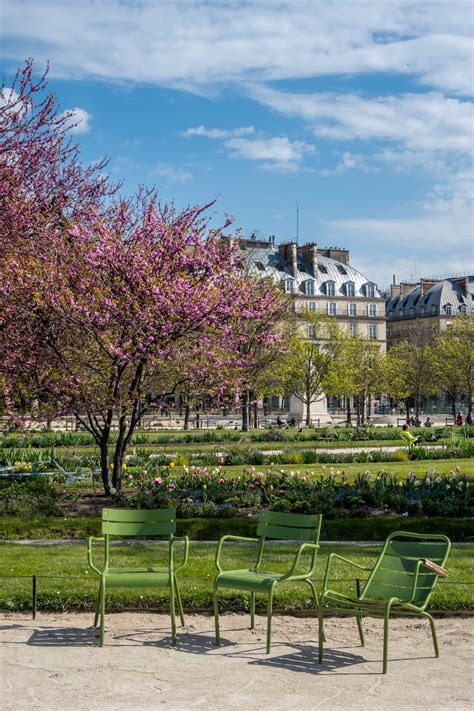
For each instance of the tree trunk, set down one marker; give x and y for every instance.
(187, 413)
(255, 414)
(119, 454)
(104, 464)
(349, 411)
(407, 407)
(308, 413)
(245, 411)
(453, 405)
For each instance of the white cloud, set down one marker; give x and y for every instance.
(78, 120)
(171, 173)
(193, 45)
(219, 132)
(278, 153)
(427, 121)
(349, 161)
(279, 149)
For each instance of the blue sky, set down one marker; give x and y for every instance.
(359, 111)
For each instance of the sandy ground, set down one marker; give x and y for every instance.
(54, 663)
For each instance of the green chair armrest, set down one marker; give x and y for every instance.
(346, 560)
(90, 541)
(292, 573)
(229, 538)
(185, 540)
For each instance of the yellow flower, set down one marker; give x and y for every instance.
(171, 464)
(124, 466)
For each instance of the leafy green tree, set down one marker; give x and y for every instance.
(357, 373)
(311, 359)
(410, 371)
(454, 361)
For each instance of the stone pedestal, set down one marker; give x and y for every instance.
(318, 411)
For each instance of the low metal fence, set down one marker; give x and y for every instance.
(35, 579)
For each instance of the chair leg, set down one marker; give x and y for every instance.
(216, 614)
(172, 613)
(178, 600)
(361, 630)
(97, 606)
(252, 611)
(321, 637)
(102, 614)
(269, 619)
(433, 634)
(315, 600)
(385, 635)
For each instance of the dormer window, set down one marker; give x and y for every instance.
(350, 289)
(309, 287)
(330, 288)
(341, 269)
(289, 286)
(462, 309)
(260, 266)
(370, 290)
(448, 310)
(322, 269)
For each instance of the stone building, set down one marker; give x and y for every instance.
(430, 303)
(322, 280)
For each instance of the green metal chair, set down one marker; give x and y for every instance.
(280, 526)
(401, 581)
(127, 523)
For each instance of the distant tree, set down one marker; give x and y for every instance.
(310, 359)
(454, 360)
(357, 373)
(410, 370)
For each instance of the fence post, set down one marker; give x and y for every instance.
(34, 595)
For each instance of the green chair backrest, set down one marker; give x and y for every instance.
(289, 527)
(394, 572)
(142, 522)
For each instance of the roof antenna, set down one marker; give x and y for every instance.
(297, 223)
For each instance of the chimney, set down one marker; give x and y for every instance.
(289, 252)
(309, 252)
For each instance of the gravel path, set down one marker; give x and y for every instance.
(55, 663)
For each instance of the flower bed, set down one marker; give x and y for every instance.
(204, 492)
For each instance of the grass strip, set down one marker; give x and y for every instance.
(75, 587)
(373, 528)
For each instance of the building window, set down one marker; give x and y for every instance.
(289, 285)
(352, 309)
(310, 288)
(370, 291)
(350, 289)
(311, 331)
(448, 309)
(332, 308)
(330, 288)
(372, 310)
(312, 306)
(352, 328)
(372, 332)
(462, 309)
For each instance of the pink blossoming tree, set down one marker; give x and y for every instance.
(98, 293)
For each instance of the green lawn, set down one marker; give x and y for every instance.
(76, 587)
